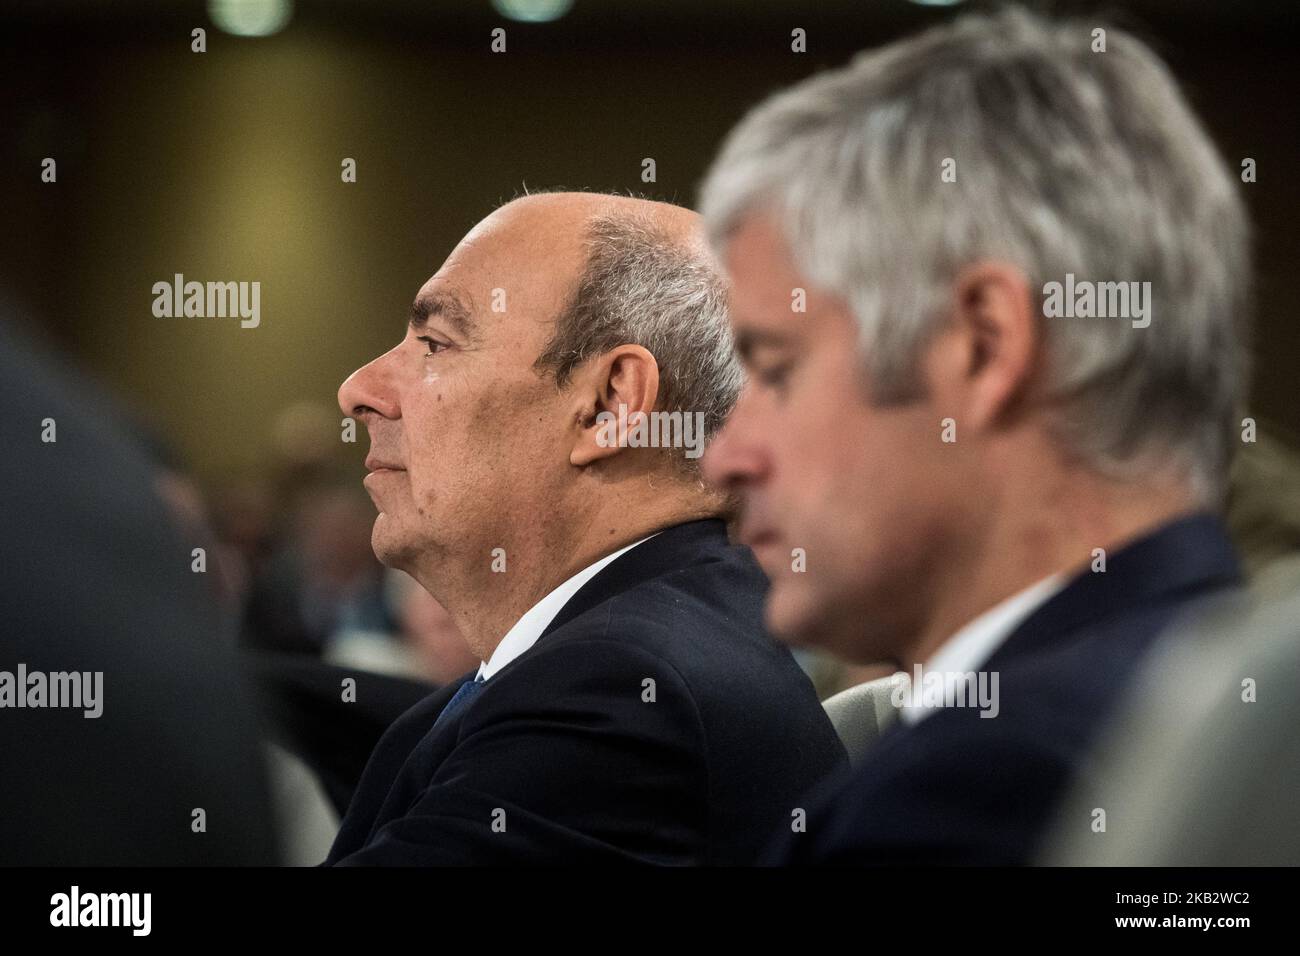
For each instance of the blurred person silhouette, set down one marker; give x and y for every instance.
(628, 706)
(1264, 499)
(100, 582)
(437, 646)
(323, 583)
(1201, 764)
(243, 518)
(1005, 499)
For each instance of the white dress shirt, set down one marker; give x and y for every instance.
(972, 646)
(535, 620)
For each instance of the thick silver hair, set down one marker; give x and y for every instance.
(1067, 161)
(643, 287)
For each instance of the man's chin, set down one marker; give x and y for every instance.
(801, 618)
(790, 616)
(386, 545)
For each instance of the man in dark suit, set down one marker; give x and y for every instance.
(1006, 494)
(629, 707)
(960, 788)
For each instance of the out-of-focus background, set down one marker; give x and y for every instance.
(226, 166)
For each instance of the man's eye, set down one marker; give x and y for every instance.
(773, 376)
(431, 342)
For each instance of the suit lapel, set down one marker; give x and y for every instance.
(672, 549)
(1188, 557)
(418, 767)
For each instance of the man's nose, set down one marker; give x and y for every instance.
(370, 390)
(736, 457)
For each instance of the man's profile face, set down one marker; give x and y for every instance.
(844, 490)
(465, 435)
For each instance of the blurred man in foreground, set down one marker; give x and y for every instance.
(1006, 495)
(629, 707)
(1201, 765)
(164, 768)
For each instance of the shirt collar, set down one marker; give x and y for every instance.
(972, 646)
(529, 628)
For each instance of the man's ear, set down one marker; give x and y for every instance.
(610, 392)
(984, 360)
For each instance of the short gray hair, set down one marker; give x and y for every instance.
(1069, 161)
(643, 287)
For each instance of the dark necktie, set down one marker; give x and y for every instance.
(463, 697)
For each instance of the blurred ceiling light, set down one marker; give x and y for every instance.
(937, 3)
(250, 18)
(533, 11)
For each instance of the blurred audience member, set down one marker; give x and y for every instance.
(162, 767)
(1201, 767)
(429, 630)
(944, 470)
(323, 582)
(1264, 500)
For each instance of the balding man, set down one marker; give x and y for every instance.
(629, 707)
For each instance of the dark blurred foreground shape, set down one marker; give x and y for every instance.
(96, 581)
(307, 716)
(1202, 765)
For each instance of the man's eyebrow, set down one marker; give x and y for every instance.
(448, 306)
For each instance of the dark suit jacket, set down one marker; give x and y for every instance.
(958, 788)
(565, 747)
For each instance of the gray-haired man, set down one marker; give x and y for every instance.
(533, 469)
(1006, 494)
